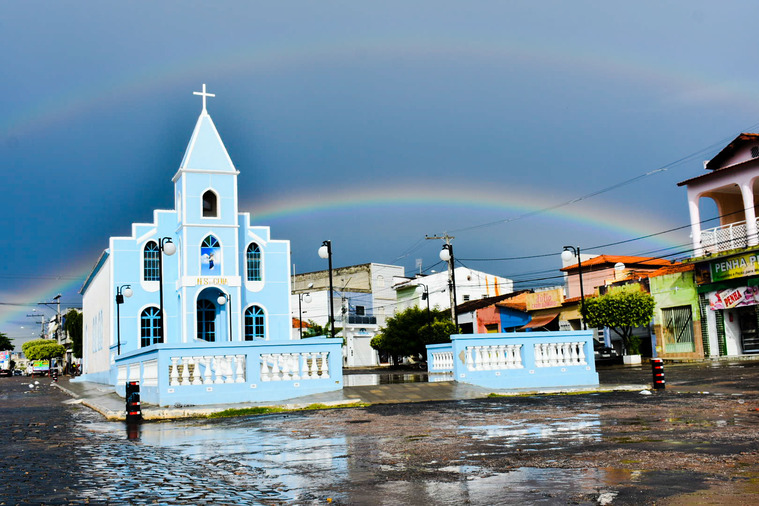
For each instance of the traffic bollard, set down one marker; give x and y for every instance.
(657, 367)
(133, 409)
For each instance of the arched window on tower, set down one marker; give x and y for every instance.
(206, 312)
(210, 205)
(255, 325)
(150, 327)
(253, 259)
(150, 261)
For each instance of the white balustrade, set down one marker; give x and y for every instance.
(294, 366)
(490, 358)
(559, 354)
(442, 361)
(206, 370)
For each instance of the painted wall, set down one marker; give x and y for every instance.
(670, 291)
(97, 329)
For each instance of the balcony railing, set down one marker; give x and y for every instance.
(362, 319)
(724, 238)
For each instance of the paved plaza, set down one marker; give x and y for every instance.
(694, 443)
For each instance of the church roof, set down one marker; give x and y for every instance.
(206, 151)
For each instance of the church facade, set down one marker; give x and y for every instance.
(196, 305)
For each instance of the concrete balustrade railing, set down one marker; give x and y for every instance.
(235, 372)
(516, 360)
(207, 369)
(294, 366)
(441, 361)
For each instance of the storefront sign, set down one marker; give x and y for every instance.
(544, 300)
(734, 297)
(735, 267)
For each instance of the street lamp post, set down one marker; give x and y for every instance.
(426, 296)
(326, 252)
(301, 298)
(567, 255)
(164, 246)
(121, 292)
(446, 255)
(223, 299)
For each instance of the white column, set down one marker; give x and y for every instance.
(695, 224)
(748, 205)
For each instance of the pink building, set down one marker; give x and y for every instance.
(605, 269)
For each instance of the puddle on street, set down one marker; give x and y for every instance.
(546, 433)
(369, 379)
(267, 453)
(525, 485)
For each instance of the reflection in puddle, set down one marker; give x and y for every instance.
(369, 379)
(518, 486)
(546, 433)
(298, 462)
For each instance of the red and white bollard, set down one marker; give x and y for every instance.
(657, 367)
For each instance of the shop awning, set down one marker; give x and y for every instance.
(540, 321)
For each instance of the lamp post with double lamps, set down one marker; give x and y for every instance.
(121, 292)
(223, 299)
(567, 255)
(165, 246)
(326, 252)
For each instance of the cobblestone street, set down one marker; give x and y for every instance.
(681, 446)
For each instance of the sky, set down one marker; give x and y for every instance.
(516, 127)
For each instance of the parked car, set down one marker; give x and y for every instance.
(18, 372)
(605, 354)
(6, 372)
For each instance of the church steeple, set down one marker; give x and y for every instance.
(206, 151)
(206, 182)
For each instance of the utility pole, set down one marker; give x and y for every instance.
(42, 322)
(446, 254)
(57, 303)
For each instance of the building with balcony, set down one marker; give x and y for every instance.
(363, 299)
(726, 257)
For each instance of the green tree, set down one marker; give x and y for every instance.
(409, 332)
(5, 343)
(315, 330)
(621, 311)
(73, 327)
(43, 349)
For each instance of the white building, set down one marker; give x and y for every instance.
(470, 285)
(363, 299)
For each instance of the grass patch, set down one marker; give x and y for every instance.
(533, 394)
(245, 412)
(265, 410)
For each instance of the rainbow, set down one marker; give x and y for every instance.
(56, 108)
(510, 203)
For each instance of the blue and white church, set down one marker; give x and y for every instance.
(196, 305)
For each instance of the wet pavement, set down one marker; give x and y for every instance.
(694, 443)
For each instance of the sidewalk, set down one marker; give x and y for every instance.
(105, 401)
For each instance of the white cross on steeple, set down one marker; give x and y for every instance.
(204, 95)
